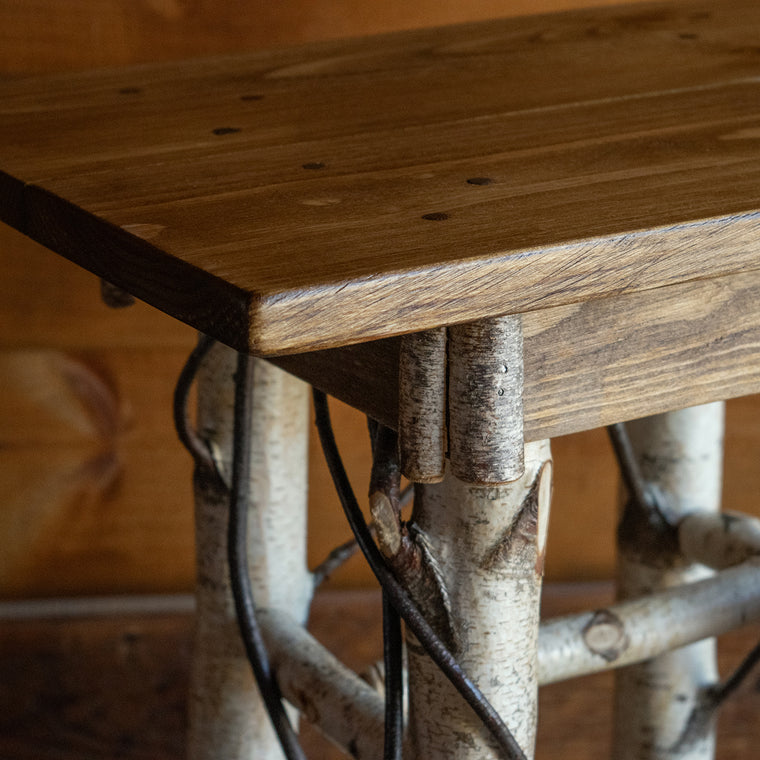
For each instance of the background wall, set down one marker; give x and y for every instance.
(95, 492)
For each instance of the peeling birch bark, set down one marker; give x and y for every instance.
(485, 400)
(719, 540)
(227, 718)
(680, 455)
(639, 629)
(488, 545)
(422, 405)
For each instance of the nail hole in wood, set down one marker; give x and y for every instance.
(479, 181)
(314, 165)
(225, 130)
(437, 216)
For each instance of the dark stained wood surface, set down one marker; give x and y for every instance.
(102, 688)
(345, 191)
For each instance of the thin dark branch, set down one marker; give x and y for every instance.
(406, 495)
(335, 559)
(237, 549)
(187, 434)
(372, 427)
(729, 687)
(398, 597)
(629, 467)
(394, 684)
(385, 476)
(711, 699)
(341, 554)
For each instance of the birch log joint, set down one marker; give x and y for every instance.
(422, 405)
(485, 400)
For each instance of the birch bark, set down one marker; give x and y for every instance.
(488, 545)
(227, 718)
(680, 455)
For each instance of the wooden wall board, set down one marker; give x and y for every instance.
(279, 214)
(40, 35)
(47, 302)
(103, 687)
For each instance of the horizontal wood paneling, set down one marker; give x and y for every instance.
(40, 35)
(92, 687)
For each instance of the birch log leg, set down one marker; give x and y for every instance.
(680, 455)
(488, 544)
(227, 719)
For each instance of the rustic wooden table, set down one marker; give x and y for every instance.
(483, 236)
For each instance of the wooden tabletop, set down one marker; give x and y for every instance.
(345, 191)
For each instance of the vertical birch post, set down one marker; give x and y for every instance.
(485, 400)
(488, 544)
(680, 455)
(227, 718)
(422, 405)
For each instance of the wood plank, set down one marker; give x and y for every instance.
(72, 689)
(280, 214)
(594, 363)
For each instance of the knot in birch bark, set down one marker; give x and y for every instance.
(521, 536)
(605, 635)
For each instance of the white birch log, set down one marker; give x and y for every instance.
(333, 698)
(680, 455)
(719, 540)
(227, 718)
(485, 400)
(488, 545)
(349, 711)
(639, 629)
(422, 406)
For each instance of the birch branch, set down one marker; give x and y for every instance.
(639, 629)
(719, 540)
(347, 710)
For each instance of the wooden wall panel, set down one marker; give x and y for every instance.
(94, 488)
(38, 35)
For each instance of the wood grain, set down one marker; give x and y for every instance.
(328, 194)
(595, 363)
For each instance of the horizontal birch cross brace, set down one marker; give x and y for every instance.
(350, 712)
